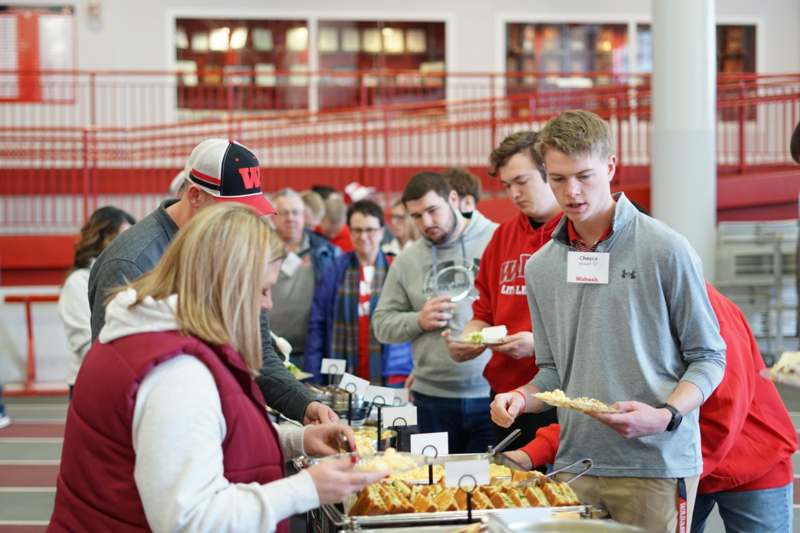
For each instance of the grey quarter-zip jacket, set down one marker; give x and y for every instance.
(635, 338)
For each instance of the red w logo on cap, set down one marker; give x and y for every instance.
(251, 177)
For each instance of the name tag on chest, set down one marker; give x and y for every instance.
(587, 267)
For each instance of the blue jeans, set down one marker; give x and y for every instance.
(466, 420)
(755, 511)
(2, 405)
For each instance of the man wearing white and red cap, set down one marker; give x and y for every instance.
(218, 170)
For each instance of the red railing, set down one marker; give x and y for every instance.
(29, 386)
(52, 174)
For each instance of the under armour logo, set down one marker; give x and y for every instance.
(628, 274)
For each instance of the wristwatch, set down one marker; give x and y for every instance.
(676, 419)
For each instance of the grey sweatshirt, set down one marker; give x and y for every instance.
(409, 284)
(635, 338)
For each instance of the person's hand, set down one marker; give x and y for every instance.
(407, 385)
(519, 345)
(462, 351)
(326, 439)
(435, 313)
(319, 413)
(506, 407)
(335, 479)
(637, 419)
(520, 457)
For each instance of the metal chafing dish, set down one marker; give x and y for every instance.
(333, 518)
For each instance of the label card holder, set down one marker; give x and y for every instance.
(353, 384)
(430, 444)
(399, 416)
(333, 366)
(462, 473)
(380, 395)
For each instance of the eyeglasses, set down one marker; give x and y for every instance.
(290, 212)
(364, 231)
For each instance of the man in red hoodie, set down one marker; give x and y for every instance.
(747, 438)
(500, 283)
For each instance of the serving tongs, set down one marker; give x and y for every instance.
(586, 463)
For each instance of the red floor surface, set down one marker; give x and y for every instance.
(38, 429)
(22, 529)
(28, 475)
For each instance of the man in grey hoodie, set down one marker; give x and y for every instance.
(417, 305)
(621, 314)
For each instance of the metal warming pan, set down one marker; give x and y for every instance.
(342, 522)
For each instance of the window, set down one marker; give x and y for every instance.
(242, 64)
(34, 39)
(576, 51)
(736, 48)
(413, 48)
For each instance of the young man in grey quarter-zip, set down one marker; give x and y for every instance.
(622, 315)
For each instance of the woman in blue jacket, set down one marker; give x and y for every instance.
(345, 298)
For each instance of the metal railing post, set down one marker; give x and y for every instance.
(387, 170)
(86, 184)
(741, 124)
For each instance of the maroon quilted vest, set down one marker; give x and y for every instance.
(96, 490)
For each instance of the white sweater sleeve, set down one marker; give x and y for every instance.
(178, 430)
(75, 314)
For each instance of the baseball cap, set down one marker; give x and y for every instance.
(230, 172)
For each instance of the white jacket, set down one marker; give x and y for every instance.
(75, 313)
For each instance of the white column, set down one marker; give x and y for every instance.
(683, 164)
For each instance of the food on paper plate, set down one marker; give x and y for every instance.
(787, 369)
(395, 496)
(490, 335)
(557, 398)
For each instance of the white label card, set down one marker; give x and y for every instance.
(399, 416)
(381, 395)
(462, 473)
(587, 267)
(291, 263)
(353, 384)
(333, 366)
(430, 444)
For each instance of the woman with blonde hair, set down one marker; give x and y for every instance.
(167, 429)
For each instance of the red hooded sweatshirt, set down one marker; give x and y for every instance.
(748, 437)
(502, 298)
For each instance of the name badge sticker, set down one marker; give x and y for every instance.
(587, 267)
(291, 263)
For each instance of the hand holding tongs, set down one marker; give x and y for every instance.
(348, 447)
